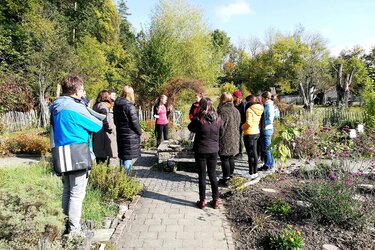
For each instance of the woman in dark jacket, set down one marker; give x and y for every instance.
(127, 128)
(231, 120)
(207, 127)
(104, 141)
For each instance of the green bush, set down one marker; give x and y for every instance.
(279, 207)
(30, 207)
(114, 182)
(369, 105)
(95, 207)
(331, 199)
(229, 88)
(288, 239)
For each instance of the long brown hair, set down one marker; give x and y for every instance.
(207, 111)
(104, 96)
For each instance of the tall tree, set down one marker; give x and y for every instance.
(351, 75)
(314, 74)
(177, 44)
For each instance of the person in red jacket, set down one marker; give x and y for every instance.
(195, 106)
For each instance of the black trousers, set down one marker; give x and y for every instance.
(251, 142)
(161, 129)
(227, 165)
(209, 161)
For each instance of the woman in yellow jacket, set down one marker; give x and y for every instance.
(251, 132)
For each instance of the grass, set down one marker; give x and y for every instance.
(96, 208)
(25, 180)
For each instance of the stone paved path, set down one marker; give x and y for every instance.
(165, 217)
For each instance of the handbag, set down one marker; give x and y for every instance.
(71, 158)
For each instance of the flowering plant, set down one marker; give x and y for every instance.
(288, 239)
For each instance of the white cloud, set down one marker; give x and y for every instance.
(325, 32)
(367, 44)
(226, 12)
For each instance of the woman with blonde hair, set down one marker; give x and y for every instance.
(251, 133)
(127, 127)
(228, 145)
(161, 113)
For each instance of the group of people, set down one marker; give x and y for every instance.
(116, 130)
(224, 132)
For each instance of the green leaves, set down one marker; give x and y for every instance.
(176, 45)
(280, 146)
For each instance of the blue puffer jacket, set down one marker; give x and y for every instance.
(72, 122)
(269, 115)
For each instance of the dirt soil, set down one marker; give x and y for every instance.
(252, 224)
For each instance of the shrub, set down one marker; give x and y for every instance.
(4, 151)
(369, 104)
(148, 125)
(288, 239)
(148, 140)
(95, 207)
(28, 144)
(229, 88)
(237, 182)
(30, 207)
(279, 207)
(307, 144)
(114, 182)
(282, 143)
(331, 200)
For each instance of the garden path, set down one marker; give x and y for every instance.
(165, 217)
(19, 160)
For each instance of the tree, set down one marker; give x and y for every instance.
(351, 75)
(176, 45)
(221, 44)
(370, 63)
(314, 73)
(127, 37)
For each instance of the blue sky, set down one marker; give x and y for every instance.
(343, 23)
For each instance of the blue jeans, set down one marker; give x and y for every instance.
(266, 142)
(127, 164)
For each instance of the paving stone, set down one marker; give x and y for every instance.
(330, 247)
(101, 235)
(270, 190)
(173, 243)
(165, 217)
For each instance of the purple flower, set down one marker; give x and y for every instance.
(349, 181)
(332, 176)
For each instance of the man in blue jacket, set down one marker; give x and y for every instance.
(72, 123)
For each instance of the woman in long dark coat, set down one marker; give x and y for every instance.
(231, 120)
(127, 127)
(104, 141)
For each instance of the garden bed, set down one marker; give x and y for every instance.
(255, 220)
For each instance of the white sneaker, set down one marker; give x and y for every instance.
(247, 175)
(254, 176)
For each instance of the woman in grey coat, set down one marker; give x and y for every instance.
(229, 140)
(104, 141)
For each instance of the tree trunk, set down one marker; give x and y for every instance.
(308, 94)
(43, 113)
(342, 87)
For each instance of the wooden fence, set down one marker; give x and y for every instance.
(327, 116)
(148, 115)
(16, 121)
